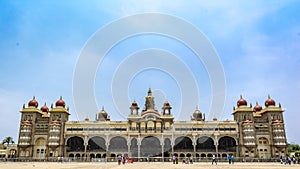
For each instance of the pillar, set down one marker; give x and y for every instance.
(139, 146)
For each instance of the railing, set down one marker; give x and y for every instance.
(134, 159)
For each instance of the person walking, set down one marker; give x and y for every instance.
(294, 159)
(229, 158)
(123, 160)
(173, 159)
(232, 159)
(214, 160)
(119, 159)
(186, 160)
(191, 160)
(281, 160)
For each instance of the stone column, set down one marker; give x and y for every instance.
(194, 145)
(86, 140)
(216, 145)
(162, 143)
(139, 146)
(128, 146)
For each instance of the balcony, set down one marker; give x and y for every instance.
(24, 143)
(279, 137)
(249, 144)
(25, 131)
(248, 130)
(278, 130)
(53, 138)
(54, 131)
(53, 144)
(280, 144)
(25, 138)
(249, 137)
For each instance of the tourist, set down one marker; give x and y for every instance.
(287, 160)
(191, 160)
(123, 160)
(186, 160)
(176, 160)
(229, 158)
(294, 159)
(119, 159)
(281, 160)
(232, 159)
(173, 159)
(214, 160)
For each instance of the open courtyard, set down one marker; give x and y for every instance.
(54, 165)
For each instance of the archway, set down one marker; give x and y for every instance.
(167, 147)
(150, 147)
(75, 144)
(183, 144)
(263, 148)
(40, 148)
(205, 144)
(118, 144)
(227, 144)
(134, 148)
(96, 144)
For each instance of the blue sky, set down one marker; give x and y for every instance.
(258, 43)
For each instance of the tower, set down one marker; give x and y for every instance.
(59, 115)
(166, 108)
(134, 108)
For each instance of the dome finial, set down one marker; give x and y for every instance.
(33, 98)
(256, 103)
(269, 96)
(60, 98)
(102, 108)
(241, 96)
(45, 104)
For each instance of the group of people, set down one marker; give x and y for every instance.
(121, 159)
(229, 157)
(186, 160)
(288, 160)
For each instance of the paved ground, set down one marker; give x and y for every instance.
(46, 165)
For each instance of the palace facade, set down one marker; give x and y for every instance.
(255, 132)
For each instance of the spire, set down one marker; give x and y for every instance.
(149, 103)
(60, 98)
(149, 92)
(269, 96)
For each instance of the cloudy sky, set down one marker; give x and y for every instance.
(257, 43)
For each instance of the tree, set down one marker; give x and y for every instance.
(8, 140)
(297, 153)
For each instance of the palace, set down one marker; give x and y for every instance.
(255, 132)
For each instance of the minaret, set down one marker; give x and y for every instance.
(149, 103)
